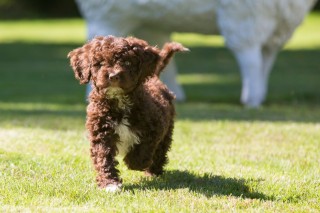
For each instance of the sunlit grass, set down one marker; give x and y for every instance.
(43, 31)
(192, 39)
(307, 36)
(224, 159)
(74, 31)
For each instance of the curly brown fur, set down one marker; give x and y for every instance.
(130, 110)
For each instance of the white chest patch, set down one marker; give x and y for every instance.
(127, 138)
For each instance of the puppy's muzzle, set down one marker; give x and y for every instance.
(114, 77)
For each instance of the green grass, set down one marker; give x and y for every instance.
(43, 31)
(224, 158)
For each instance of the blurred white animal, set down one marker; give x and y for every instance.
(254, 30)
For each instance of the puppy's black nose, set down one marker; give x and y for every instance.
(114, 77)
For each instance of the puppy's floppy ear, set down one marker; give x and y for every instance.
(167, 53)
(80, 63)
(149, 58)
(150, 54)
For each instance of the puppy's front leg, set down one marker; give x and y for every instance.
(103, 152)
(103, 158)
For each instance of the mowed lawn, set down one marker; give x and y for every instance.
(224, 158)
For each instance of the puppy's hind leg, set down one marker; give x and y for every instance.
(160, 157)
(140, 157)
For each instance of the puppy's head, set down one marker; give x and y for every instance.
(114, 62)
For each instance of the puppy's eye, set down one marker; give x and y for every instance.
(100, 64)
(127, 63)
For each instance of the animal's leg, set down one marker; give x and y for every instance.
(103, 149)
(105, 164)
(169, 75)
(268, 55)
(140, 157)
(254, 81)
(160, 158)
(88, 90)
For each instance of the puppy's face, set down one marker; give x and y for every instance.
(114, 62)
(121, 70)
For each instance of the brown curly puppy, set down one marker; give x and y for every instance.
(130, 110)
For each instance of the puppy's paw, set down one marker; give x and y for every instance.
(113, 188)
(149, 174)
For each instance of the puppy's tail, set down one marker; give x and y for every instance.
(167, 53)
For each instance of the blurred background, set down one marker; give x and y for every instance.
(16, 9)
(36, 36)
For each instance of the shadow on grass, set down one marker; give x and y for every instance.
(66, 119)
(294, 78)
(208, 185)
(41, 74)
(69, 116)
(38, 74)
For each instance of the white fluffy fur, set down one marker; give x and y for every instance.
(113, 188)
(127, 137)
(254, 30)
